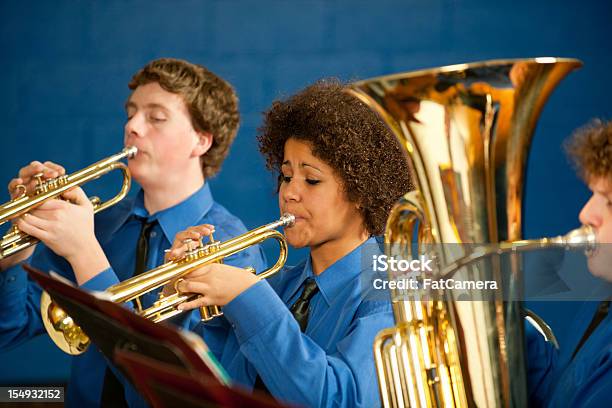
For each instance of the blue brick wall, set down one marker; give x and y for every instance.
(65, 67)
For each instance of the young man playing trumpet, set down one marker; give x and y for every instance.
(183, 119)
(579, 374)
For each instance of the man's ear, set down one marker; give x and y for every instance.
(203, 145)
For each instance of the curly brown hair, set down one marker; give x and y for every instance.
(348, 136)
(590, 149)
(212, 103)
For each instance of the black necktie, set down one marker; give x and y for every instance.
(142, 247)
(112, 390)
(600, 314)
(301, 307)
(300, 310)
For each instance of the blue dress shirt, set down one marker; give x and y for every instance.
(557, 380)
(332, 363)
(117, 230)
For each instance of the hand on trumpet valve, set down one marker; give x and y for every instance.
(182, 246)
(218, 284)
(33, 175)
(188, 240)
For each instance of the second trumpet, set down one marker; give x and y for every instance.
(70, 338)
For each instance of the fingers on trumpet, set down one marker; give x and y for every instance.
(33, 225)
(219, 284)
(200, 287)
(188, 284)
(200, 301)
(77, 196)
(187, 240)
(17, 188)
(49, 170)
(30, 175)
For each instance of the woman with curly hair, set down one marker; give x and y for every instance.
(306, 334)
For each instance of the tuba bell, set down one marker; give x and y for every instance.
(69, 337)
(466, 130)
(15, 240)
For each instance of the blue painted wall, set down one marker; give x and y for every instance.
(65, 67)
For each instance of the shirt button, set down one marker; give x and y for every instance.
(153, 234)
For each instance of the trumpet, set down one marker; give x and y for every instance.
(15, 240)
(70, 337)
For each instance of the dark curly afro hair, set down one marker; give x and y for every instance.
(590, 149)
(348, 136)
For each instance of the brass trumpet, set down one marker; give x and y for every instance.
(15, 240)
(71, 339)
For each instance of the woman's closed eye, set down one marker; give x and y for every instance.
(287, 179)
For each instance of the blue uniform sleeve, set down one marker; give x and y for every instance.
(101, 281)
(594, 390)
(541, 360)
(19, 308)
(215, 331)
(20, 318)
(293, 366)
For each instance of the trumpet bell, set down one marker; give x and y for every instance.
(64, 332)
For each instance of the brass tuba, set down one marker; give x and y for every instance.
(466, 130)
(68, 336)
(14, 240)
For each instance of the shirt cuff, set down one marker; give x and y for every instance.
(101, 281)
(254, 309)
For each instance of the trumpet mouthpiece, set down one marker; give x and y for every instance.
(287, 220)
(130, 151)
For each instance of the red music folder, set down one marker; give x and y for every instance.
(167, 387)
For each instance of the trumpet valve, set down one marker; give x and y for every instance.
(59, 181)
(46, 185)
(193, 249)
(41, 185)
(12, 232)
(211, 247)
(209, 312)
